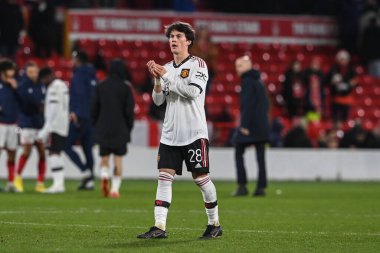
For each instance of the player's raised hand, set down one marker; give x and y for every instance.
(13, 83)
(150, 66)
(159, 70)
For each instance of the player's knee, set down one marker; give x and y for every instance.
(199, 175)
(169, 171)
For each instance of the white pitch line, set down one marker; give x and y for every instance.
(196, 229)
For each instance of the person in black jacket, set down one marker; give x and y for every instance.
(113, 116)
(254, 124)
(11, 24)
(293, 90)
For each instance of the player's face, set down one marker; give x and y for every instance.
(32, 73)
(240, 67)
(178, 42)
(9, 74)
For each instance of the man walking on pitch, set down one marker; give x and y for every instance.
(81, 89)
(182, 83)
(113, 114)
(254, 125)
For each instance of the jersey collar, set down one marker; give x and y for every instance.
(182, 62)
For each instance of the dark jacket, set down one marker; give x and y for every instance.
(254, 106)
(343, 89)
(9, 104)
(81, 90)
(113, 108)
(11, 23)
(32, 97)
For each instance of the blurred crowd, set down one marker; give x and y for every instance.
(308, 92)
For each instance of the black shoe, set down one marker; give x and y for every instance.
(212, 232)
(153, 233)
(241, 191)
(87, 184)
(260, 192)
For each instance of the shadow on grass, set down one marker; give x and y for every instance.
(144, 243)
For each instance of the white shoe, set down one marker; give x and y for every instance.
(55, 189)
(10, 187)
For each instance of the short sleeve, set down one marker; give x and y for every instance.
(199, 75)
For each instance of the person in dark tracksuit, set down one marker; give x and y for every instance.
(31, 119)
(81, 91)
(113, 115)
(254, 125)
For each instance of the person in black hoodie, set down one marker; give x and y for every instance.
(113, 115)
(254, 124)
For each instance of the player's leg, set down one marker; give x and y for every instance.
(18, 182)
(240, 170)
(74, 134)
(40, 187)
(11, 156)
(197, 161)
(169, 163)
(117, 176)
(56, 164)
(11, 144)
(262, 176)
(104, 154)
(87, 143)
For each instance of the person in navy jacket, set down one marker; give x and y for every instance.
(254, 125)
(31, 119)
(81, 90)
(9, 105)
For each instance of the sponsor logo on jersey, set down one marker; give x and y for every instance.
(198, 166)
(201, 76)
(185, 73)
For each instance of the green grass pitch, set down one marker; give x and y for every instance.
(294, 217)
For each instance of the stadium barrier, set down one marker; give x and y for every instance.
(283, 164)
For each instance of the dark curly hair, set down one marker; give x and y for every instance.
(182, 27)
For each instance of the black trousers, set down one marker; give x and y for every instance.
(240, 167)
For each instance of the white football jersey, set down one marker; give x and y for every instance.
(183, 88)
(57, 108)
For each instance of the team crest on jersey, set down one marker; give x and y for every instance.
(185, 73)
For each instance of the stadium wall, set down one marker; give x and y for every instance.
(283, 164)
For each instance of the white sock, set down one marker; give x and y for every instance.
(104, 173)
(163, 199)
(116, 182)
(56, 165)
(209, 197)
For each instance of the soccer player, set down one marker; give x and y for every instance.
(56, 126)
(182, 84)
(31, 120)
(113, 116)
(9, 105)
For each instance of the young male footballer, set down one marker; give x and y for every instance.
(182, 83)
